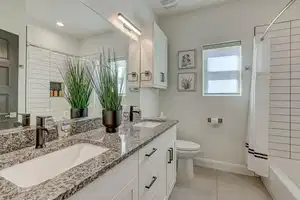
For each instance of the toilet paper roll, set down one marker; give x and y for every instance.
(214, 121)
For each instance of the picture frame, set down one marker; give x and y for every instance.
(186, 82)
(187, 59)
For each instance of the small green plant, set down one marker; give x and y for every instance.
(107, 86)
(78, 85)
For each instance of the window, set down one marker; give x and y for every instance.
(121, 63)
(222, 69)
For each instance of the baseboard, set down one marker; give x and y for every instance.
(267, 186)
(223, 166)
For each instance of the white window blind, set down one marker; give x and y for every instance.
(222, 69)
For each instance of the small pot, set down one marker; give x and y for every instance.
(79, 113)
(111, 120)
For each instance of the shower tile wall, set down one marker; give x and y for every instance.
(284, 107)
(43, 67)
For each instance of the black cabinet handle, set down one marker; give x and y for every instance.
(150, 154)
(162, 75)
(170, 156)
(152, 182)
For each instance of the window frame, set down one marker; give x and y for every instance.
(236, 74)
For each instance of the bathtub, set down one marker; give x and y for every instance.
(283, 182)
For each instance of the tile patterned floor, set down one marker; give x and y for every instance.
(210, 184)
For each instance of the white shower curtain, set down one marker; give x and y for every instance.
(258, 117)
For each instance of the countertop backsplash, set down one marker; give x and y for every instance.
(19, 138)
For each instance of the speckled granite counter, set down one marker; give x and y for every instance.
(22, 137)
(121, 145)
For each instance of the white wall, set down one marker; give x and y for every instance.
(50, 39)
(227, 22)
(114, 40)
(12, 19)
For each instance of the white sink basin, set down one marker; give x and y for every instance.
(38, 170)
(147, 124)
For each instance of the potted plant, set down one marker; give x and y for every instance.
(78, 86)
(107, 86)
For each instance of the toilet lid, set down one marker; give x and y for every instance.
(187, 145)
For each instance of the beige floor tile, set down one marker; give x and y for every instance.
(210, 184)
(231, 178)
(239, 187)
(188, 194)
(202, 187)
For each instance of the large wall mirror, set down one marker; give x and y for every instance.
(56, 31)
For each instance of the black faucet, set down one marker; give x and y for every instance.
(133, 111)
(40, 132)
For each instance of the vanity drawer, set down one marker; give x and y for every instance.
(150, 152)
(156, 148)
(111, 183)
(151, 180)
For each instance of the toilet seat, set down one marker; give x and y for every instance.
(182, 145)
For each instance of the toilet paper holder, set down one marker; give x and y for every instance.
(220, 120)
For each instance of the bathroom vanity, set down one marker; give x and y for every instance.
(149, 173)
(139, 162)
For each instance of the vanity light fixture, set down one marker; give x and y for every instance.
(128, 24)
(60, 24)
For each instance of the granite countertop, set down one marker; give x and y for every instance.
(121, 145)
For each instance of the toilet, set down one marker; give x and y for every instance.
(186, 152)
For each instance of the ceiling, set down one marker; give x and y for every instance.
(79, 21)
(183, 5)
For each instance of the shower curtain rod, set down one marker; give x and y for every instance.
(52, 50)
(276, 18)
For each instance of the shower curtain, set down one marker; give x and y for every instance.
(258, 117)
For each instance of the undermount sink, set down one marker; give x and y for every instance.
(40, 169)
(148, 124)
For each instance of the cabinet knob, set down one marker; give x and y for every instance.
(132, 77)
(147, 74)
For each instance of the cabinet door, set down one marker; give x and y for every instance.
(130, 192)
(133, 66)
(171, 168)
(164, 61)
(160, 58)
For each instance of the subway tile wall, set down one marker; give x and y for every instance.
(284, 107)
(42, 67)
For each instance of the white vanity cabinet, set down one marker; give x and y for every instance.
(149, 174)
(129, 192)
(118, 183)
(154, 59)
(157, 167)
(171, 167)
